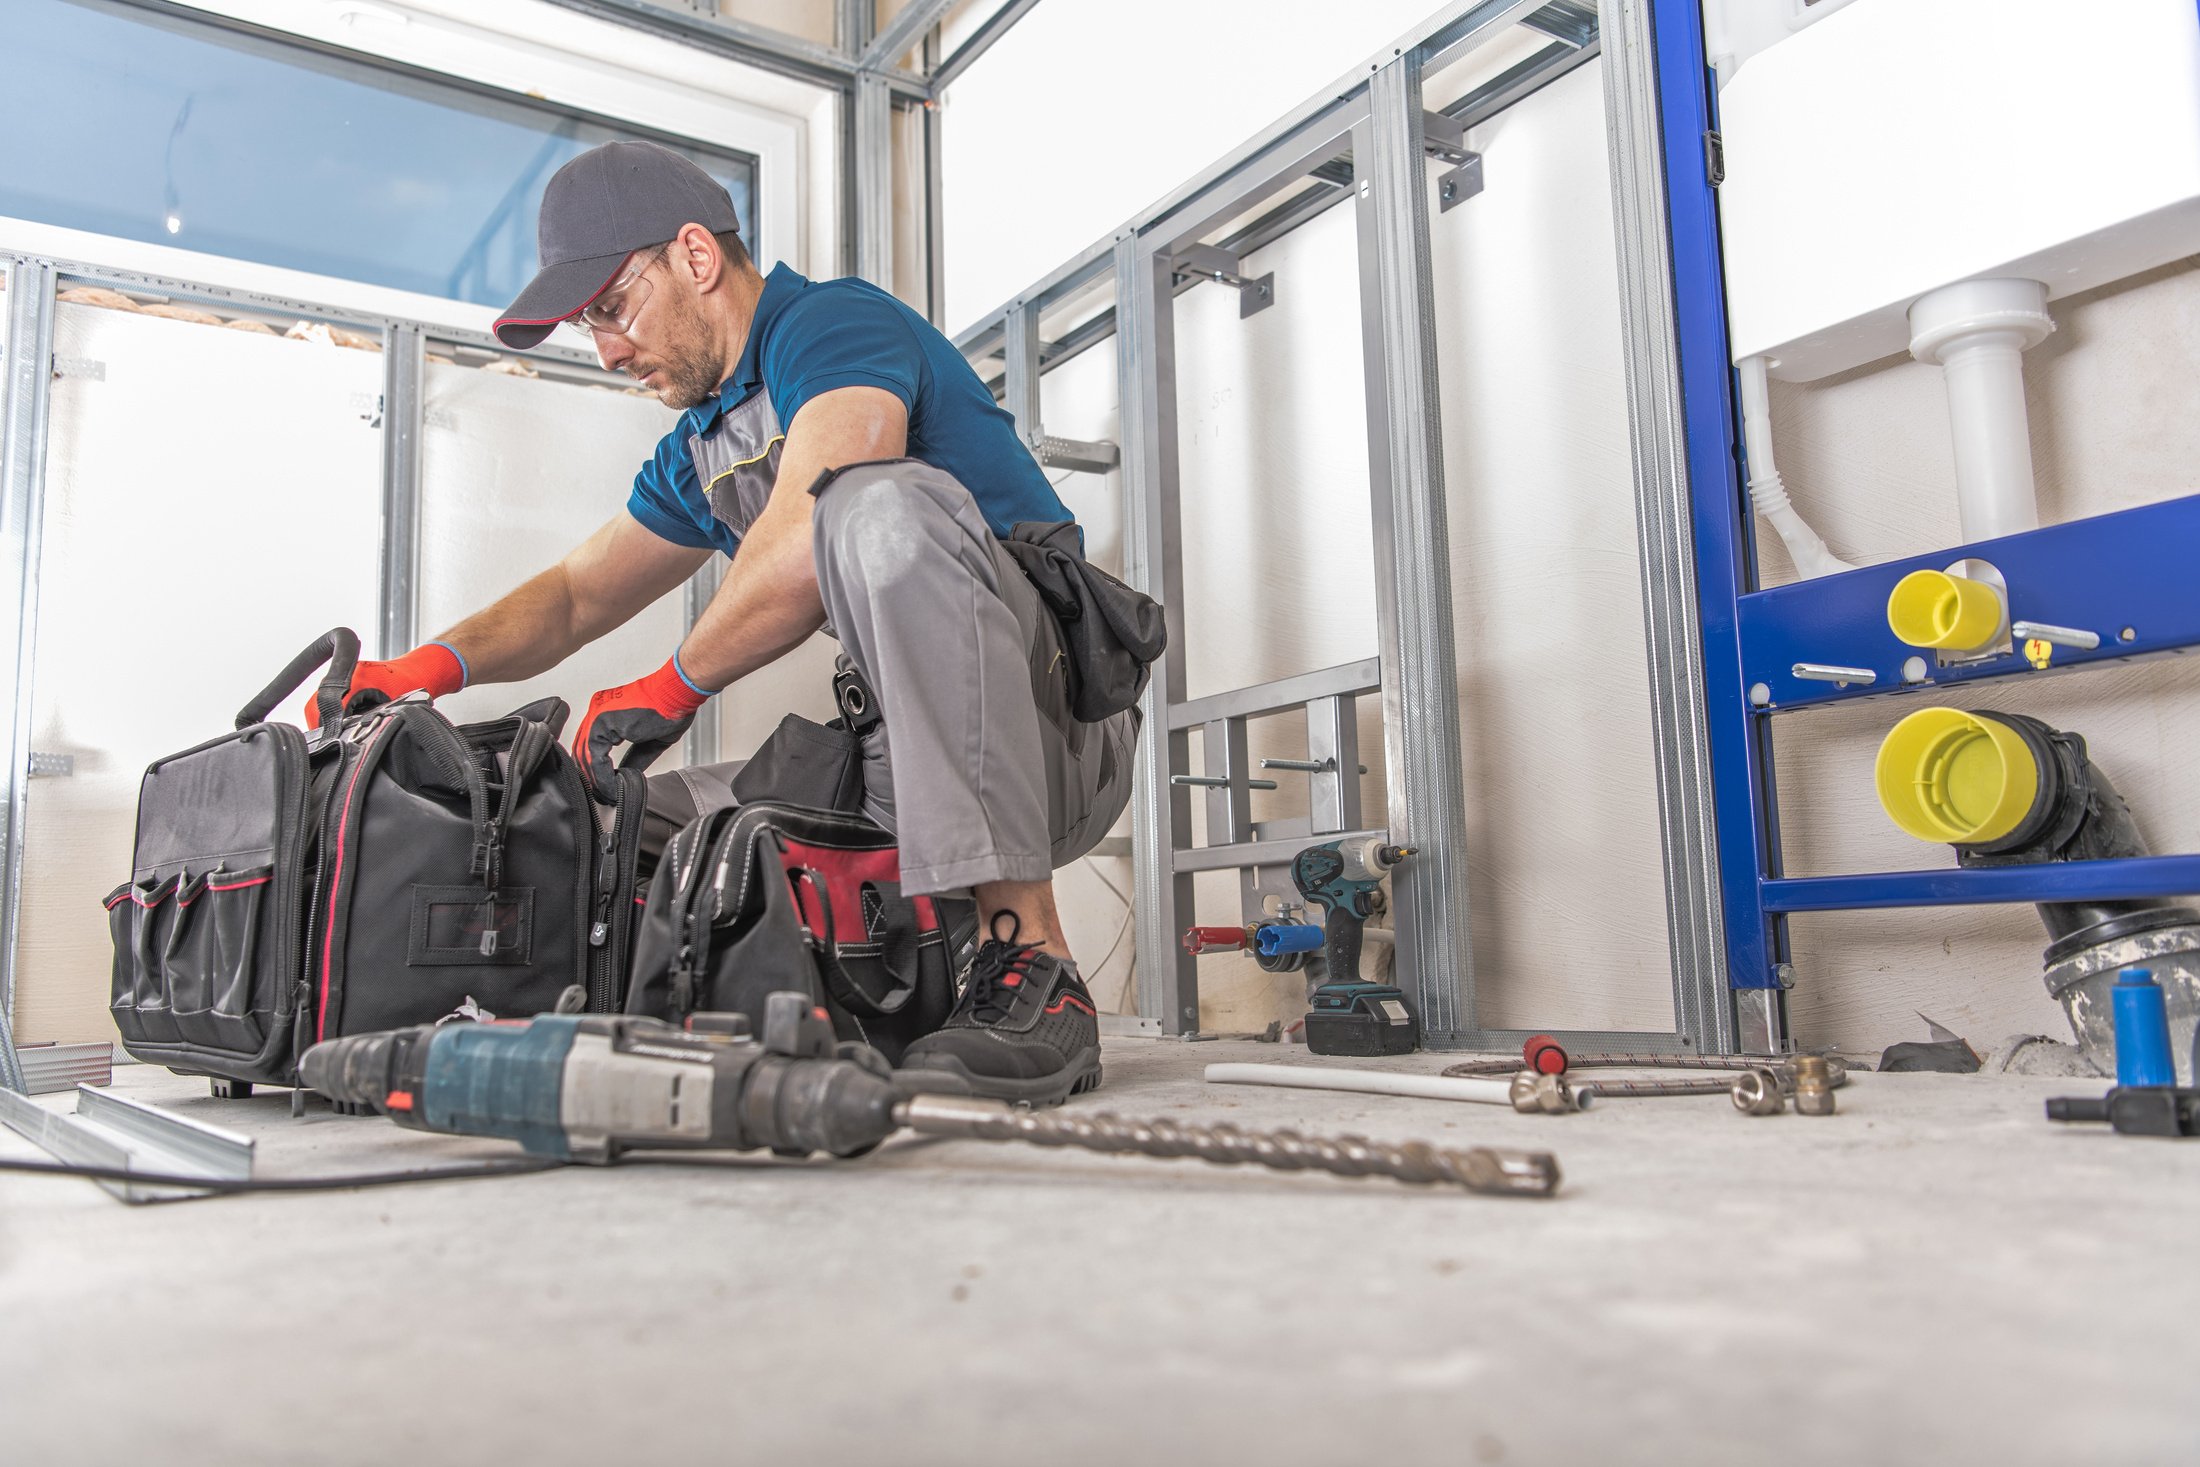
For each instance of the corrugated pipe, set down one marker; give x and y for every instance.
(1766, 491)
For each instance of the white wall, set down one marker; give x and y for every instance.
(1568, 914)
(1088, 110)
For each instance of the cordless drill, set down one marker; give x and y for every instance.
(1344, 879)
(585, 1087)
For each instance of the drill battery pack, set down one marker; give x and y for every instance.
(1361, 1019)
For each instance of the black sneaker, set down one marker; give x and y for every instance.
(1025, 1029)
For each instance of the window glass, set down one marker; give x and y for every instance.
(188, 132)
(517, 472)
(213, 501)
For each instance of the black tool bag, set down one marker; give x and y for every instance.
(391, 868)
(757, 898)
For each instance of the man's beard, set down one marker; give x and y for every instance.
(686, 382)
(691, 369)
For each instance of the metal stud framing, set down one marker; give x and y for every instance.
(1161, 812)
(1412, 565)
(28, 364)
(404, 378)
(871, 142)
(1674, 640)
(1367, 138)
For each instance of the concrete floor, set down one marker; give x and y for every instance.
(1936, 1274)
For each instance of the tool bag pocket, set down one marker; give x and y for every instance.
(818, 766)
(188, 957)
(753, 900)
(206, 932)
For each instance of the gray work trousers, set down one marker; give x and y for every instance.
(977, 765)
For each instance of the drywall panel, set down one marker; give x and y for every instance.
(1277, 537)
(1564, 858)
(1568, 920)
(515, 472)
(212, 505)
(1866, 458)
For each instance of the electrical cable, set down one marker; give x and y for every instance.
(1129, 911)
(227, 1186)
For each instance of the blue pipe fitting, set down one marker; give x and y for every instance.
(1278, 938)
(2142, 1030)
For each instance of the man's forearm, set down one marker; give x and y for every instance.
(521, 635)
(767, 606)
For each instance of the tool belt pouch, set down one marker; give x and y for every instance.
(1111, 634)
(392, 868)
(758, 898)
(815, 765)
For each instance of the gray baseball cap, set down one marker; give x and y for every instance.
(598, 209)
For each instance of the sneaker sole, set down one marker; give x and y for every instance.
(948, 1076)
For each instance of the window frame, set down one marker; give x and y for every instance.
(522, 52)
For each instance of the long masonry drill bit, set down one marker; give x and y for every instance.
(1477, 1169)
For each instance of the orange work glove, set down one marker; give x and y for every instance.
(434, 668)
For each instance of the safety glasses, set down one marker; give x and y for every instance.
(617, 304)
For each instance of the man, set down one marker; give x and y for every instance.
(859, 475)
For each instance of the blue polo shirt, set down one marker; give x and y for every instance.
(810, 337)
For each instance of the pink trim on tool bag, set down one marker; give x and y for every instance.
(240, 885)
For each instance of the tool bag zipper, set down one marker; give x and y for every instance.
(611, 930)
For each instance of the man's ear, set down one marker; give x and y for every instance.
(695, 254)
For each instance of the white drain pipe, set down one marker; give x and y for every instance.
(1376, 1082)
(1766, 490)
(1977, 333)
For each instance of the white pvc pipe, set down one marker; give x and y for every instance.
(1766, 490)
(1371, 1082)
(1977, 332)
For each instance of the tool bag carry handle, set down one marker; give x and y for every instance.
(339, 648)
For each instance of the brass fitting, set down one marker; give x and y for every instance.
(1813, 1085)
(1757, 1093)
(1544, 1094)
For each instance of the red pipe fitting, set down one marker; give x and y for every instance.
(1543, 1055)
(1199, 940)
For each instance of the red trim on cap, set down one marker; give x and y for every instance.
(503, 321)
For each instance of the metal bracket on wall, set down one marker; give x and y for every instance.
(52, 766)
(1445, 139)
(1083, 455)
(1206, 262)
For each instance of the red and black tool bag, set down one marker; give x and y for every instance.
(758, 898)
(390, 868)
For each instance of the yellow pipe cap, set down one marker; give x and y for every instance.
(1931, 608)
(1955, 778)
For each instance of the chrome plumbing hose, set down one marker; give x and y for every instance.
(1477, 1169)
(1782, 1068)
